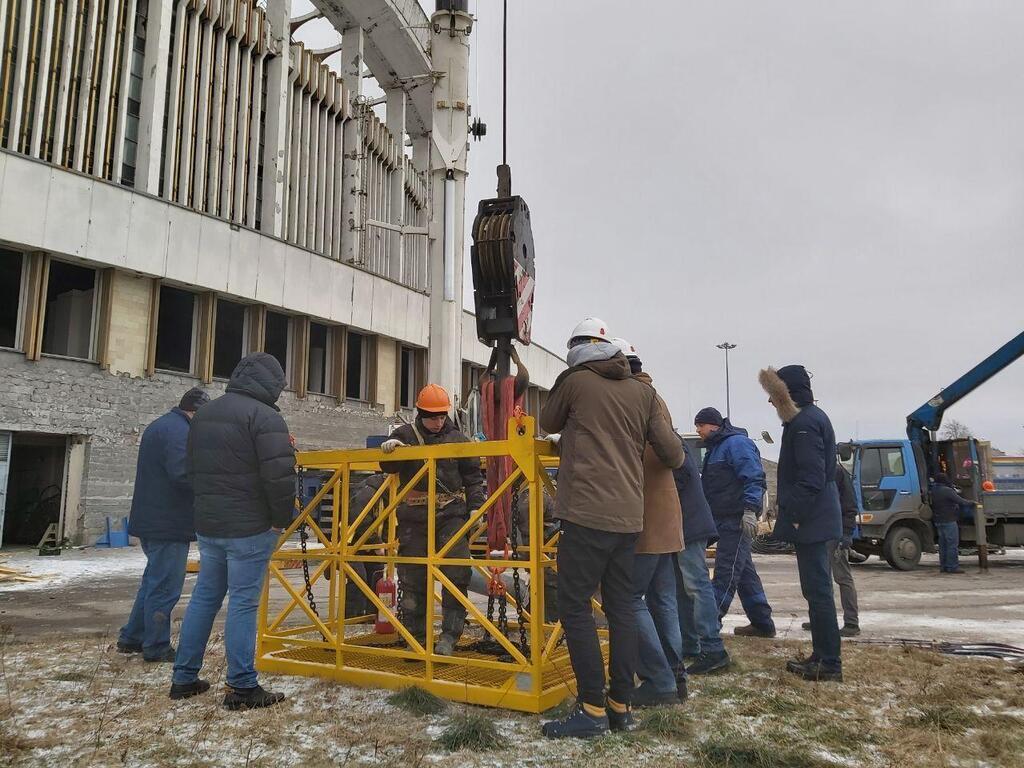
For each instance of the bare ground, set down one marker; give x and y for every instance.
(74, 701)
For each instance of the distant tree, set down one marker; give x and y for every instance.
(954, 429)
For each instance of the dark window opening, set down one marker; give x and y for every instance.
(355, 367)
(229, 337)
(277, 339)
(70, 294)
(408, 386)
(174, 336)
(11, 264)
(318, 358)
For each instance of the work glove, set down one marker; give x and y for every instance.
(553, 439)
(388, 446)
(750, 523)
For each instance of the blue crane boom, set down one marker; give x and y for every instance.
(929, 416)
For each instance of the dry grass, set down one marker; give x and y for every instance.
(417, 701)
(75, 702)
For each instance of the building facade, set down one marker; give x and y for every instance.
(181, 183)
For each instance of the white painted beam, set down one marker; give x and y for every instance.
(36, 148)
(275, 145)
(128, 53)
(352, 42)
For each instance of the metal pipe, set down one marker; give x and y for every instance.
(449, 235)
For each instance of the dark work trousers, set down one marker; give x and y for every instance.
(412, 542)
(589, 559)
(842, 574)
(735, 574)
(815, 568)
(949, 544)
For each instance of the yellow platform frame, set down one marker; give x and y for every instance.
(346, 649)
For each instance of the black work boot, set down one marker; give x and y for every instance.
(251, 698)
(797, 666)
(129, 647)
(751, 630)
(849, 630)
(817, 672)
(645, 695)
(453, 623)
(707, 663)
(577, 724)
(620, 721)
(188, 690)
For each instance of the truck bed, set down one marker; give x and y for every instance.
(1003, 504)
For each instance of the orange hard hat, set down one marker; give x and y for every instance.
(988, 486)
(433, 399)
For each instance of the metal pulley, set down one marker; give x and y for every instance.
(503, 268)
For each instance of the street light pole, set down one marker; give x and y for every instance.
(725, 345)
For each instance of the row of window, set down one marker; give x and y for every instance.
(199, 334)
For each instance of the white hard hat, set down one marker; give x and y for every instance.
(589, 328)
(625, 347)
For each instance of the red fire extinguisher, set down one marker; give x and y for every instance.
(387, 593)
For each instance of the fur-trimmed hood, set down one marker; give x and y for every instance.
(779, 394)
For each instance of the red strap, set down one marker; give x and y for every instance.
(495, 418)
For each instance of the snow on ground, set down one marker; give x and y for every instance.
(72, 565)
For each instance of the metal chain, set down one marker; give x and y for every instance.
(517, 587)
(303, 538)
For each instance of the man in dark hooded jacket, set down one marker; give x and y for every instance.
(809, 511)
(162, 519)
(946, 506)
(734, 485)
(242, 466)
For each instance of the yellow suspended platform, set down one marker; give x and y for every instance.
(294, 638)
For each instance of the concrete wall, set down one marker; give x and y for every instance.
(387, 373)
(52, 209)
(69, 397)
(129, 323)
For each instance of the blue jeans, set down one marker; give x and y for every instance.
(149, 624)
(236, 567)
(657, 620)
(949, 543)
(735, 574)
(698, 609)
(815, 568)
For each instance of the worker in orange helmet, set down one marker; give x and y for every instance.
(460, 488)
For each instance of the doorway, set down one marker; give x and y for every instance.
(35, 470)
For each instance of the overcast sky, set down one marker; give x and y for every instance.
(836, 184)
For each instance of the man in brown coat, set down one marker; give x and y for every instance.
(606, 418)
(660, 660)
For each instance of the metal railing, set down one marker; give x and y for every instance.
(297, 637)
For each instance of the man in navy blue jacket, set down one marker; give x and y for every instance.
(162, 519)
(809, 512)
(734, 485)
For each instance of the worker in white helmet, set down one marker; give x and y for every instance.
(606, 419)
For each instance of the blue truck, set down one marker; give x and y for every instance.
(893, 488)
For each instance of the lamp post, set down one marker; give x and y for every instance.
(725, 345)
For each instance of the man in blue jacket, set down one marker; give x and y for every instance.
(695, 595)
(809, 512)
(734, 485)
(161, 518)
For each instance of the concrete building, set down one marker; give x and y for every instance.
(181, 184)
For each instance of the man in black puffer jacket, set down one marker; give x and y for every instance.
(242, 466)
(809, 512)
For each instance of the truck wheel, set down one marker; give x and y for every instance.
(902, 548)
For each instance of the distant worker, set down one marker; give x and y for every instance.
(946, 506)
(809, 513)
(699, 626)
(242, 466)
(734, 485)
(659, 659)
(356, 602)
(459, 490)
(606, 419)
(162, 519)
(839, 555)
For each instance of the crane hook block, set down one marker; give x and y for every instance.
(503, 270)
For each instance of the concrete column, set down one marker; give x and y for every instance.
(275, 145)
(352, 202)
(396, 127)
(449, 54)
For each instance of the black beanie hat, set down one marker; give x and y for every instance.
(941, 478)
(709, 416)
(193, 400)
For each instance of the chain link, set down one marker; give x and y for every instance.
(517, 587)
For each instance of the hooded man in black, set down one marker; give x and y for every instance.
(809, 511)
(946, 505)
(242, 466)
